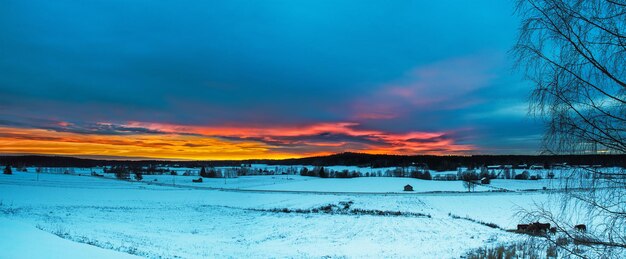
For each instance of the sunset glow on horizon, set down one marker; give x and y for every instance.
(221, 80)
(166, 141)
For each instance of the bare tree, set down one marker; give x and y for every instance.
(469, 184)
(469, 179)
(574, 52)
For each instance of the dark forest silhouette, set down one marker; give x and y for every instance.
(438, 163)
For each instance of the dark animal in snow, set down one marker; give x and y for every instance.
(581, 227)
(522, 227)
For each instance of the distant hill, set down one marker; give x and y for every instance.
(439, 163)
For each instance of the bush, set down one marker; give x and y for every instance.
(138, 176)
(122, 175)
(562, 241)
(551, 251)
(527, 249)
(322, 173)
(7, 170)
(522, 176)
(305, 172)
(469, 176)
(422, 175)
(121, 172)
(212, 173)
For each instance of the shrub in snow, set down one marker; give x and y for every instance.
(469, 176)
(304, 171)
(424, 175)
(244, 170)
(138, 176)
(7, 170)
(211, 173)
(322, 173)
(523, 176)
(122, 175)
(121, 172)
(345, 174)
(529, 249)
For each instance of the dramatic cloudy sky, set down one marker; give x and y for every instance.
(260, 79)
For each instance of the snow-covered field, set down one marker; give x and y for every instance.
(520, 185)
(155, 220)
(314, 184)
(25, 241)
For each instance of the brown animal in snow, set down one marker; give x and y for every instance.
(581, 227)
(522, 227)
(534, 228)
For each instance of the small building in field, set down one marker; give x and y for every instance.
(408, 188)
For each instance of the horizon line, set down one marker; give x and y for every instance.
(122, 158)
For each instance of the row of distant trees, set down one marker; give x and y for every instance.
(320, 171)
(211, 173)
(470, 177)
(124, 172)
(436, 163)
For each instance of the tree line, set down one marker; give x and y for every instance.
(436, 163)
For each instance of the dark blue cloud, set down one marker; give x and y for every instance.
(261, 62)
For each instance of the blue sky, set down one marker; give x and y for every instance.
(193, 68)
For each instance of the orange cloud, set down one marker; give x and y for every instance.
(171, 141)
(38, 141)
(378, 141)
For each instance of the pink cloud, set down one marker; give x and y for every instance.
(440, 85)
(353, 138)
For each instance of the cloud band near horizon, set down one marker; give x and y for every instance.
(155, 140)
(269, 79)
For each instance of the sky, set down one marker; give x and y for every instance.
(261, 79)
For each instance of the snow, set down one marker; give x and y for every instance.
(21, 240)
(190, 220)
(368, 184)
(521, 185)
(315, 184)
